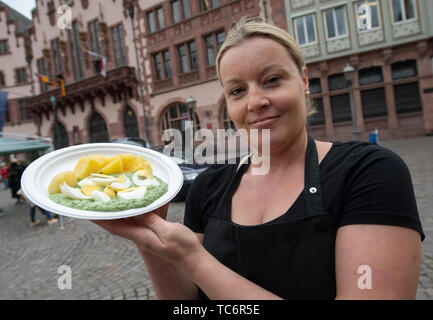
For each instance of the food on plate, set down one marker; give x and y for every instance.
(99, 183)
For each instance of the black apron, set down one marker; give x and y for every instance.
(294, 258)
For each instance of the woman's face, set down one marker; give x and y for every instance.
(264, 90)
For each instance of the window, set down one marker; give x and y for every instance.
(176, 11)
(407, 98)
(158, 66)
(21, 75)
(176, 117)
(57, 56)
(51, 12)
(318, 117)
(162, 65)
(161, 21)
(151, 21)
(186, 9)
(4, 47)
(403, 10)
(404, 69)
(188, 57)
(25, 112)
(305, 30)
(181, 10)
(42, 69)
(335, 22)
(208, 4)
(370, 75)
(130, 123)
(183, 59)
(373, 103)
(213, 43)
(61, 139)
(155, 19)
(119, 45)
(367, 14)
(167, 64)
(98, 129)
(2, 79)
(77, 57)
(95, 37)
(337, 82)
(192, 50)
(340, 105)
(315, 86)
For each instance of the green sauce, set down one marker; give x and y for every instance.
(115, 204)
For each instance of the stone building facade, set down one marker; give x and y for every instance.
(96, 108)
(15, 76)
(175, 48)
(391, 53)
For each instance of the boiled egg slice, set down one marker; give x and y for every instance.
(121, 183)
(101, 179)
(132, 193)
(86, 182)
(100, 196)
(73, 193)
(140, 179)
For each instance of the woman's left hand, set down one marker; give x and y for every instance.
(172, 242)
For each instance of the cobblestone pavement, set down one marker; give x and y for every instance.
(108, 267)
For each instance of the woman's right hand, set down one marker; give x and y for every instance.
(172, 242)
(133, 228)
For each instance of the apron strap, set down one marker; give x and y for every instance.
(313, 187)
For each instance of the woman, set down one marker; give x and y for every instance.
(304, 230)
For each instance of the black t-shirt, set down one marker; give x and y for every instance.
(362, 183)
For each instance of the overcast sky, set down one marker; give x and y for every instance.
(22, 6)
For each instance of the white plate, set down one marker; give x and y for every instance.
(37, 177)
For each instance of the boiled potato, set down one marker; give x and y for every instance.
(113, 167)
(68, 176)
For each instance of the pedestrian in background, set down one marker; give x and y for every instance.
(4, 174)
(33, 221)
(15, 172)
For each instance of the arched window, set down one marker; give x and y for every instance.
(98, 129)
(61, 139)
(176, 117)
(130, 123)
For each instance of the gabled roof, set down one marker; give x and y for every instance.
(22, 22)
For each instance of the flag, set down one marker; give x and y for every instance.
(3, 107)
(45, 79)
(61, 84)
(102, 60)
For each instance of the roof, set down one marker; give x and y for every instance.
(15, 146)
(22, 22)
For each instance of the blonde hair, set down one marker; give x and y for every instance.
(249, 27)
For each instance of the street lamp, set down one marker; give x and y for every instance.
(349, 71)
(131, 12)
(191, 102)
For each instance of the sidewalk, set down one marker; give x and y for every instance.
(107, 267)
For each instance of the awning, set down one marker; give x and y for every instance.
(15, 146)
